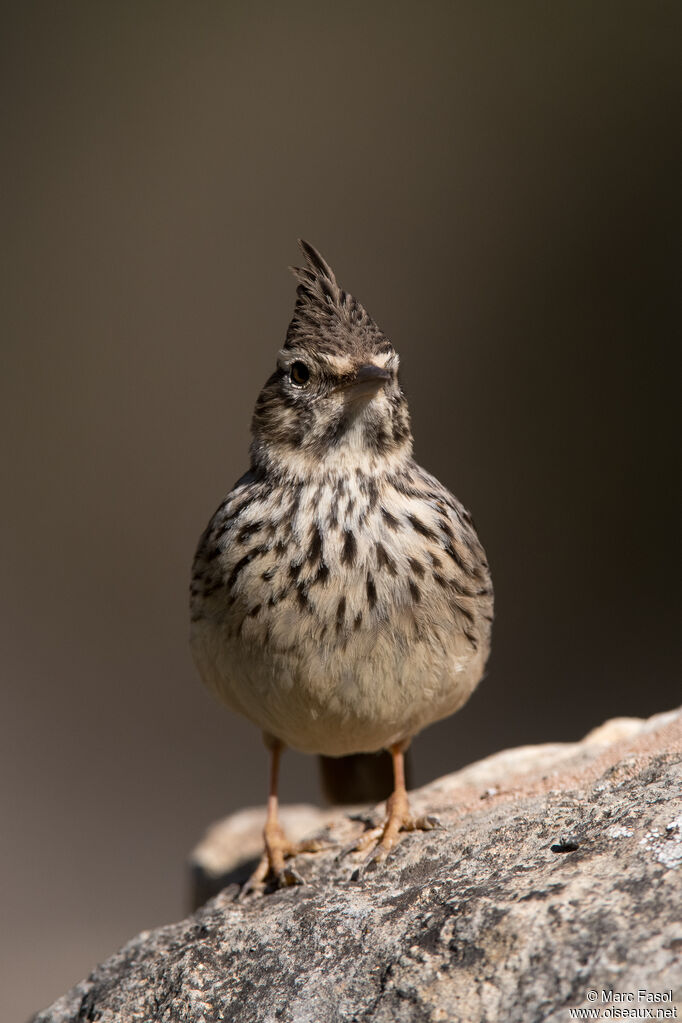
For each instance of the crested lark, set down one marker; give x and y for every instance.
(340, 597)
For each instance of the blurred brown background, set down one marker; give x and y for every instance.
(498, 183)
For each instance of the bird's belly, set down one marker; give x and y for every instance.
(357, 696)
(346, 624)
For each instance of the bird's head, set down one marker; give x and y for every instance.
(334, 400)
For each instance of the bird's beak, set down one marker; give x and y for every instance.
(368, 380)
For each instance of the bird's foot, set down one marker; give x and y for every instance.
(381, 840)
(272, 866)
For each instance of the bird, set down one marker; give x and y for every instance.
(340, 598)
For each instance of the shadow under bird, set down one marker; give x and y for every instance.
(340, 598)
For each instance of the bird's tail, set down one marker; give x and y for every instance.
(360, 778)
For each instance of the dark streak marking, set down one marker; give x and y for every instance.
(333, 518)
(296, 500)
(450, 549)
(384, 560)
(350, 548)
(464, 610)
(472, 639)
(246, 531)
(315, 543)
(242, 563)
(391, 521)
(420, 528)
(276, 597)
(321, 575)
(416, 567)
(295, 438)
(447, 530)
(340, 613)
(460, 588)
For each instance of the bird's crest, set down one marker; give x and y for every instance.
(325, 314)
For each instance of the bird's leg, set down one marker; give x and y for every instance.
(398, 817)
(277, 845)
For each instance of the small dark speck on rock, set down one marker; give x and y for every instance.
(566, 844)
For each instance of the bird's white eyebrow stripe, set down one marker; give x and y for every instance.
(341, 365)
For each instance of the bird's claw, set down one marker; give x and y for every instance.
(429, 823)
(289, 877)
(383, 839)
(272, 870)
(367, 838)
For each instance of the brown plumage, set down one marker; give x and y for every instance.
(340, 597)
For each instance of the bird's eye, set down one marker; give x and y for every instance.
(299, 374)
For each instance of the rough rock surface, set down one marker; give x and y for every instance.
(556, 872)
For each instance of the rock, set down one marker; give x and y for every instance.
(555, 874)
